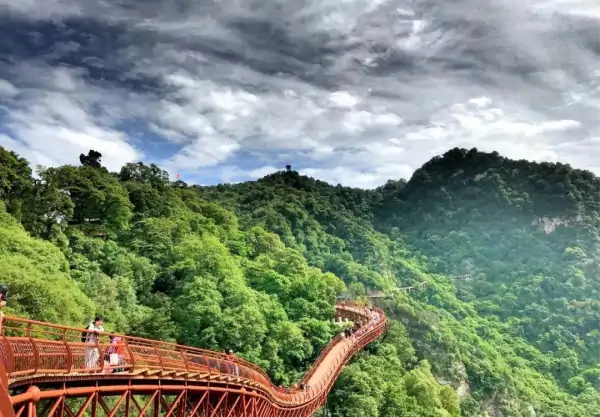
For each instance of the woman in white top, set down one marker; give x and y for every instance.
(91, 353)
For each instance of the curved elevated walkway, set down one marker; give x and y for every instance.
(45, 371)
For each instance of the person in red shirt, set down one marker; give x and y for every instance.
(117, 346)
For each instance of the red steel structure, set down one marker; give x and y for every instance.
(43, 374)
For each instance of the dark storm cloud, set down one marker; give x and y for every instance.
(79, 43)
(357, 91)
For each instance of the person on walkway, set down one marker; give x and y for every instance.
(115, 352)
(234, 368)
(3, 295)
(92, 355)
(3, 301)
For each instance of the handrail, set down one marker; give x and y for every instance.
(340, 307)
(30, 348)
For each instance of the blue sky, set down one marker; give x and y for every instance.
(353, 92)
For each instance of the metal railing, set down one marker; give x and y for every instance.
(29, 349)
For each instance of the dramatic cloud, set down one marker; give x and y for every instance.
(352, 91)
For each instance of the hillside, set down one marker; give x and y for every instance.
(529, 233)
(156, 260)
(525, 232)
(256, 267)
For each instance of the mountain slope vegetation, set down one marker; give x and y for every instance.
(528, 233)
(256, 267)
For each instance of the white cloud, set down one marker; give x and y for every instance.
(202, 152)
(360, 179)
(359, 91)
(343, 99)
(7, 90)
(583, 8)
(233, 174)
(477, 124)
(62, 145)
(52, 125)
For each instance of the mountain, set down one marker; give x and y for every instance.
(528, 233)
(256, 267)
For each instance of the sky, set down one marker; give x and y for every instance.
(348, 91)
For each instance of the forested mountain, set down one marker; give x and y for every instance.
(256, 267)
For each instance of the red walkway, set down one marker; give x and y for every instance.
(45, 375)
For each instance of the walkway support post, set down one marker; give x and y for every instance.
(6, 409)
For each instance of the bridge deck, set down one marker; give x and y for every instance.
(43, 355)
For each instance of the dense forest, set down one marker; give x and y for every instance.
(256, 267)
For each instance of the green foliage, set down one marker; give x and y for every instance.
(16, 183)
(37, 274)
(493, 336)
(256, 267)
(157, 260)
(380, 385)
(98, 198)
